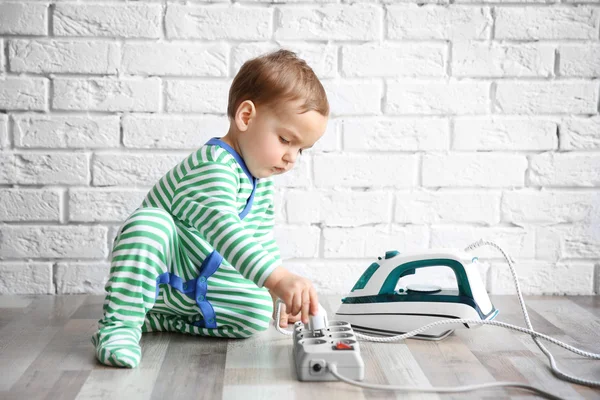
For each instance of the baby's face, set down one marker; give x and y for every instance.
(274, 141)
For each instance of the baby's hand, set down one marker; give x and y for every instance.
(297, 293)
(285, 318)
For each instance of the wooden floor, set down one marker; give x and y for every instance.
(46, 353)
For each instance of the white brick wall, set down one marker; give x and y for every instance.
(450, 121)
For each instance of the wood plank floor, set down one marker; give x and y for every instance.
(46, 353)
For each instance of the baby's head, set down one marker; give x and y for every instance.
(277, 108)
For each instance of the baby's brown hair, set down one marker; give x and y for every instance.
(274, 78)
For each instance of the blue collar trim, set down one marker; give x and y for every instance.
(238, 158)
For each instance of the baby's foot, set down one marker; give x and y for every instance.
(118, 346)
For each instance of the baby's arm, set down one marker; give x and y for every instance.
(205, 198)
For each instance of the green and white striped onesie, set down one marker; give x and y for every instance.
(164, 274)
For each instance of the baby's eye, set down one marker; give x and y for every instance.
(282, 140)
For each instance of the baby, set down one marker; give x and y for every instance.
(198, 255)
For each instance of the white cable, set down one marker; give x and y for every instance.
(477, 322)
(448, 389)
(553, 365)
(278, 305)
(535, 336)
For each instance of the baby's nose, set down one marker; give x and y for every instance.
(289, 157)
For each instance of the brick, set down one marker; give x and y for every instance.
(431, 97)
(322, 58)
(2, 57)
(106, 94)
(474, 170)
(52, 168)
(579, 60)
(353, 98)
(580, 133)
(53, 241)
(529, 23)
(298, 241)
(338, 208)
(334, 22)
(568, 241)
(298, 177)
(218, 22)
(524, 2)
(193, 96)
(546, 97)
(412, 21)
(130, 20)
(66, 132)
(548, 244)
(581, 241)
(4, 139)
(365, 170)
(171, 132)
(133, 169)
(555, 169)
(550, 207)
(512, 133)
(288, 1)
(81, 278)
(493, 59)
(18, 93)
(279, 204)
(26, 278)
(397, 134)
(176, 59)
(517, 242)
(372, 241)
(329, 141)
(544, 278)
(19, 18)
(103, 205)
(392, 60)
(113, 231)
(63, 56)
(29, 205)
(425, 207)
(8, 168)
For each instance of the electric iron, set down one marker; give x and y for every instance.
(378, 306)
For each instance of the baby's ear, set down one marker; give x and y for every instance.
(245, 112)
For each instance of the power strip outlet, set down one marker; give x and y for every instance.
(337, 344)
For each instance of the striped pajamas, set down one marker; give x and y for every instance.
(192, 258)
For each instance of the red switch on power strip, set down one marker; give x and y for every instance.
(343, 346)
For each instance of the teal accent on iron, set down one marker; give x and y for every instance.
(362, 281)
(443, 296)
(495, 313)
(390, 254)
(409, 268)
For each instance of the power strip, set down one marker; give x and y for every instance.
(315, 350)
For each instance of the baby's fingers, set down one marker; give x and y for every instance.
(305, 306)
(283, 320)
(294, 318)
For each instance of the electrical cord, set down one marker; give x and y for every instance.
(449, 389)
(536, 336)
